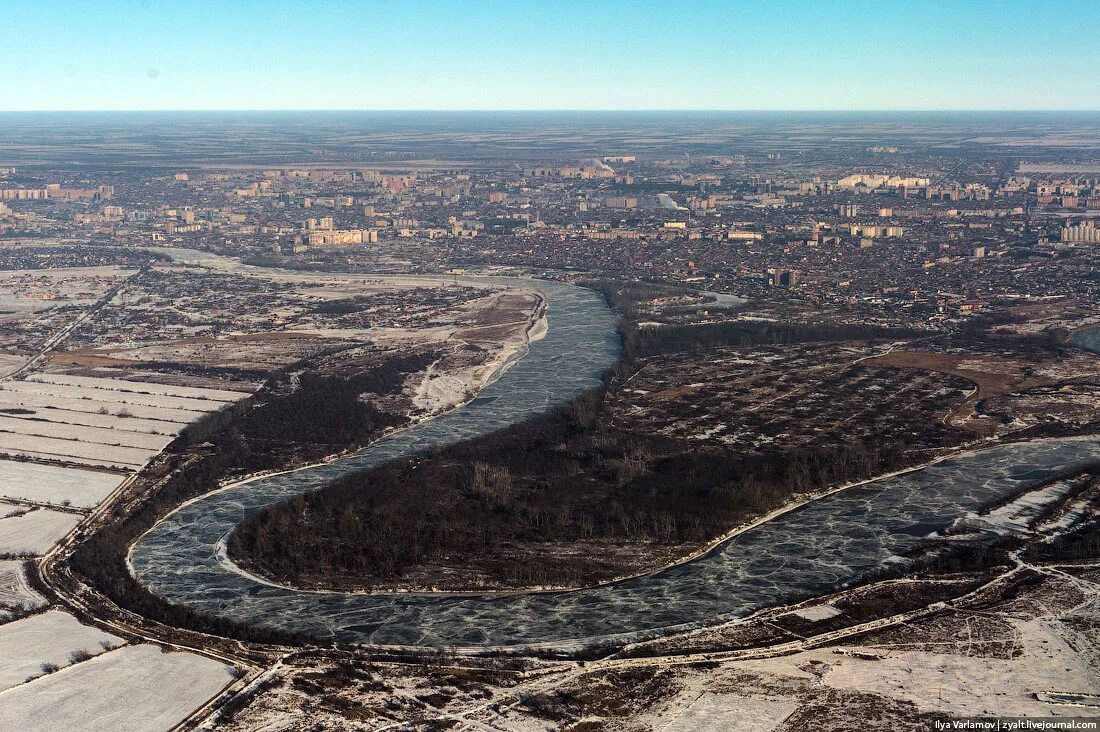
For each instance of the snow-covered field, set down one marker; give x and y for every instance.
(104, 422)
(56, 485)
(86, 453)
(132, 689)
(33, 532)
(84, 462)
(17, 399)
(726, 712)
(16, 594)
(103, 436)
(9, 362)
(94, 419)
(49, 637)
(101, 422)
(139, 387)
(112, 396)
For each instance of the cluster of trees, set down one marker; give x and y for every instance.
(326, 410)
(1079, 544)
(644, 342)
(561, 477)
(494, 507)
(313, 412)
(629, 299)
(345, 306)
(322, 415)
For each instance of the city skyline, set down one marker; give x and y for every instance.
(614, 366)
(121, 56)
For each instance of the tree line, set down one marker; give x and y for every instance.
(565, 476)
(494, 506)
(279, 426)
(645, 342)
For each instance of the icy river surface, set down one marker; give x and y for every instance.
(797, 555)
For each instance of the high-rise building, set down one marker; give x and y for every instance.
(1085, 232)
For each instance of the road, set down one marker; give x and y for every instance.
(58, 579)
(60, 336)
(569, 672)
(72, 594)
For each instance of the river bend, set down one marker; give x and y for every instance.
(803, 553)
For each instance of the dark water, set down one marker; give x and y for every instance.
(1088, 339)
(803, 553)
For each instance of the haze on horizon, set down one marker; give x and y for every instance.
(431, 55)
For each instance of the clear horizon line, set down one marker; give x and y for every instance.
(707, 110)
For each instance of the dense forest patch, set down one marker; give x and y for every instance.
(292, 421)
(569, 498)
(501, 511)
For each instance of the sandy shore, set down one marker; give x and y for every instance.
(443, 389)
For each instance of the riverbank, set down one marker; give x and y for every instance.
(803, 552)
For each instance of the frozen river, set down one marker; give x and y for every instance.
(1089, 339)
(800, 554)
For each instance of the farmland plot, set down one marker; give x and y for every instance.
(33, 532)
(132, 689)
(52, 637)
(16, 594)
(94, 419)
(10, 362)
(86, 453)
(56, 485)
(139, 387)
(21, 400)
(98, 435)
(112, 396)
(105, 422)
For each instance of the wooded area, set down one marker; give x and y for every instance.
(275, 429)
(498, 506)
(497, 511)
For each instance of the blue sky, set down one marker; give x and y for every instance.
(241, 54)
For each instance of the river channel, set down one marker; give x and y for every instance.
(825, 544)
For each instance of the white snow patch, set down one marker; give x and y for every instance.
(35, 531)
(16, 593)
(722, 712)
(817, 612)
(1014, 517)
(160, 401)
(133, 689)
(46, 638)
(52, 484)
(439, 392)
